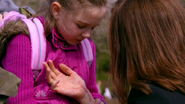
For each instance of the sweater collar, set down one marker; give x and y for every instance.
(59, 42)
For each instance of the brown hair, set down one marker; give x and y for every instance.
(68, 5)
(147, 45)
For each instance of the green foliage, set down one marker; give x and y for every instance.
(102, 66)
(103, 62)
(101, 75)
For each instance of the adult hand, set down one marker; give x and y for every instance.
(2, 16)
(98, 101)
(68, 83)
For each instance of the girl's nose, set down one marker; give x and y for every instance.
(86, 34)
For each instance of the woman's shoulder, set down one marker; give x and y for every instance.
(159, 95)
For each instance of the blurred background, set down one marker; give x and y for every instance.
(99, 37)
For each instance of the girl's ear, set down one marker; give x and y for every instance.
(56, 9)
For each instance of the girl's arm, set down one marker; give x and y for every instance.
(18, 61)
(68, 83)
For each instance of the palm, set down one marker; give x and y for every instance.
(70, 84)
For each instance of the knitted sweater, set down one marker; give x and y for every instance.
(18, 61)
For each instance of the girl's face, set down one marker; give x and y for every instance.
(76, 27)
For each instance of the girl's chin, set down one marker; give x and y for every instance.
(74, 43)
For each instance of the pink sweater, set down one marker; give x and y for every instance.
(18, 61)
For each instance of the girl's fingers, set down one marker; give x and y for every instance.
(54, 84)
(66, 69)
(51, 65)
(49, 74)
(4, 14)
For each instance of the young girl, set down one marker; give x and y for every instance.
(147, 48)
(66, 23)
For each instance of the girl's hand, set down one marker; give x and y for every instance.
(2, 16)
(68, 83)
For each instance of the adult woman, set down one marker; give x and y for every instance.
(147, 45)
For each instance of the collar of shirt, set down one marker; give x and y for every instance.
(59, 42)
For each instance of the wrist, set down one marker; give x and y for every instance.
(87, 98)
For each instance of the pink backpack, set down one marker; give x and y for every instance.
(38, 41)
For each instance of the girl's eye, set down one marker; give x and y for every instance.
(92, 28)
(80, 26)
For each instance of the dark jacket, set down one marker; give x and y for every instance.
(9, 84)
(159, 95)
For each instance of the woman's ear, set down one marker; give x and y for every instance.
(56, 9)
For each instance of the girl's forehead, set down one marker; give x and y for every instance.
(90, 14)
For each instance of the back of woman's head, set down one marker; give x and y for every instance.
(147, 44)
(68, 6)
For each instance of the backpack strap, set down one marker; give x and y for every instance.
(87, 49)
(38, 44)
(38, 41)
